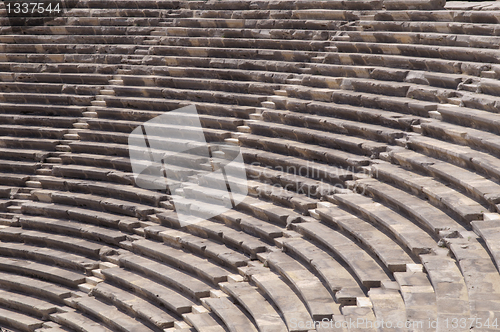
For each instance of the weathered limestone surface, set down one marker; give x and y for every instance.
(388, 109)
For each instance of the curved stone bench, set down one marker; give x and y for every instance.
(234, 319)
(338, 278)
(35, 287)
(103, 189)
(189, 262)
(424, 38)
(205, 247)
(33, 131)
(29, 305)
(367, 269)
(420, 210)
(203, 322)
(315, 137)
(49, 256)
(139, 86)
(318, 300)
(75, 320)
(19, 321)
(289, 304)
(85, 231)
(209, 229)
(303, 150)
(181, 281)
(155, 292)
(478, 139)
(386, 249)
(265, 316)
(80, 246)
(42, 271)
(462, 156)
(334, 125)
(133, 305)
(480, 187)
(437, 193)
(297, 166)
(109, 315)
(426, 26)
(405, 62)
(42, 109)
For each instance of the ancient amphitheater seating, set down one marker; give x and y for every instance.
(368, 130)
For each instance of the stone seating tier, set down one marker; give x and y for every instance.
(315, 92)
(385, 248)
(18, 320)
(368, 270)
(181, 281)
(289, 304)
(49, 256)
(156, 293)
(83, 247)
(75, 320)
(54, 274)
(480, 187)
(34, 287)
(27, 304)
(134, 305)
(263, 313)
(109, 315)
(418, 209)
(230, 314)
(315, 295)
(339, 279)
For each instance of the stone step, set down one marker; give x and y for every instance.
(310, 288)
(67, 227)
(177, 279)
(339, 279)
(19, 321)
(75, 320)
(109, 315)
(234, 319)
(134, 305)
(428, 216)
(289, 304)
(263, 313)
(367, 269)
(389, 251)
(46, 255)
(42, 271)
(182, 260)
(155, 292)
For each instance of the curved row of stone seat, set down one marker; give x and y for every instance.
(343, 247)
(455, 202)
(386, 249)
(209, 230)
(315, 295)
(427, 259)
(281, 216)
(266, 317)
(423, 38)
(465, 28)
